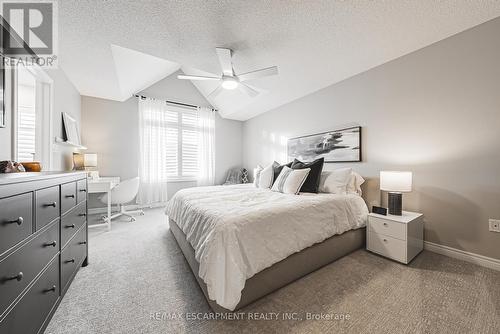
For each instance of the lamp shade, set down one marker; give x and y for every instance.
(396, 181)
(81, 161)
(90, 160)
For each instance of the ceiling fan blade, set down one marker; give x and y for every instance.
(249, 90)
(196, 77)
(258, 89)
(225, 60)
(215, 92)
(265, 72)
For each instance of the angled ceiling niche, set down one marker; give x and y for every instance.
(136, 70)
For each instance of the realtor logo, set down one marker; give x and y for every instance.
(29, 31)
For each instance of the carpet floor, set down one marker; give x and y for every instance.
(137, 281)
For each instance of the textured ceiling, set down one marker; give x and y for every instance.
(314, 43)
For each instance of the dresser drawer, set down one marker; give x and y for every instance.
(20, 267)
(47, 206)
(16, 220)
(68, 196)
(386, 227)
(72, 221)
(32, 310)
(81, 193)
(387, 246)
(73, 255)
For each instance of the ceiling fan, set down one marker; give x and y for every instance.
(228, 79)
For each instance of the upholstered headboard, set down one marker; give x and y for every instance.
(371, 192)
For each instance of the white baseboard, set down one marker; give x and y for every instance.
(96, 211)
(481, 260)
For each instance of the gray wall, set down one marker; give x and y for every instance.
(66, 99)
(110, 129)
(435, 112)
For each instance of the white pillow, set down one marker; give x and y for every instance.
(335, 181)
(266, 177)
(355, 182)
(256, 175)
(290, 180)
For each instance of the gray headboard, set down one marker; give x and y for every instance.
(371, 192)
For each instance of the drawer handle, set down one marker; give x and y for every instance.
(83, 190)
(82, 215)
(70, 196)
(52, 289)
(70, 261)
(70, 226)
(53, 244)
(17, 221)
(53, 204)
(82, 242)
(17, 277)
(385, 224)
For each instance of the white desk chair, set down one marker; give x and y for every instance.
(122, 194)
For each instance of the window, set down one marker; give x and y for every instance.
(32, 121)
(177, 133)
(26, 116)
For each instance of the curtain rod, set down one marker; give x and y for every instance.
(172, 102)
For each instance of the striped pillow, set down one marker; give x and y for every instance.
(290, 180)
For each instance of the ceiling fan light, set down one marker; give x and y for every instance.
(229, 83)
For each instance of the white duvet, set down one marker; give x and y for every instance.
(239, 230)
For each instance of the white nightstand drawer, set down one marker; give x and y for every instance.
(387, 227)
(387, 246)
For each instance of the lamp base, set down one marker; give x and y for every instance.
(395, 204)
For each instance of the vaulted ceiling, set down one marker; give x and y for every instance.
(112, 49)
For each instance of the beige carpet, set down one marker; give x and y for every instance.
(137, 270)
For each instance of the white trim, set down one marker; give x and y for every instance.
(481, 260)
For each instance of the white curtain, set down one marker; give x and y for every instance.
(206, 147)
(152, 151)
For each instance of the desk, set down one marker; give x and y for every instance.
(103, 185)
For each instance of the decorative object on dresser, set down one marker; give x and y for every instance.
(43, 242)
(335, 146)
(395, 183)
(32, 166)
(8, 166)
(400, 238)
(87, 162)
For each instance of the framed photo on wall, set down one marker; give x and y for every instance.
(342, 145)
(71, 129)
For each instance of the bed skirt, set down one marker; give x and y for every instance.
(282, 273)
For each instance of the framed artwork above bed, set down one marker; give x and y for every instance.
(342, 145)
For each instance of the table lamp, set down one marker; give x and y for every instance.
(395, 183)
(87, 162)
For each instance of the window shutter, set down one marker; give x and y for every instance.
(172, 152)
(189, 152)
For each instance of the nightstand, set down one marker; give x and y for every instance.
(400, 238)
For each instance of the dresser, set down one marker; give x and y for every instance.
(400, 238)
(43, 243)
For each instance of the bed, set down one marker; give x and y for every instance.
(243, 242)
